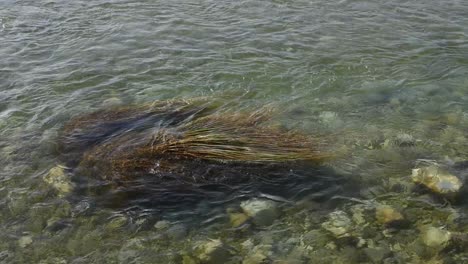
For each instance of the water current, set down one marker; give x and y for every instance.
(383, 84)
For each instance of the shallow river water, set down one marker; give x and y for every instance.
(384, 84)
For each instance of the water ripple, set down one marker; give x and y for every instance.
(356, 70)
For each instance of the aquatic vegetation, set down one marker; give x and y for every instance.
(182, 142)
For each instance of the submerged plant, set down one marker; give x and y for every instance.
(179, 142)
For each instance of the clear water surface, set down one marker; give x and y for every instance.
(386, 80)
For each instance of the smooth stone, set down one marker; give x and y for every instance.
(59, 180)
(111, 102)
(387, 143)
(6, 255)
(247, 245)
(377, 255)
(238, 219)
(358, 214)
(435, 237)
(52, 260)
(330, 119)
(163, 224)
(7, 150)
(436, 179)
(395, 102)
(386, 215)
(18, 201)
(142, 223)
(331, 245)
(130, 252)
(453, 118)
(338, 224)
(263, 212)
(255, 258)
(25, 241)
(259, 254)
(188, 260)
(177, 232)
(361, 242)
(56, 224)
(80, 208)
(117, 222)
(214, 252)
(327, 116)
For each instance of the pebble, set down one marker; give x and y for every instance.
(330, 119)
(238, 219)
(130, 252)
(214, 252)
(263, 212)
(435, 237)
(117, 222)
(361, 242)
(247, 245)
(453, 118)
(331, 245)
(436, 179)
(177, 232)
(59, 180)
(386, 215)
(376, 255)
(80, 208)
(163, 224)
(338, 224)
(255, 258)
(25, 241)
(260, 254)
(111, 102)
(5, 256)
(53, 260)
(358, 214)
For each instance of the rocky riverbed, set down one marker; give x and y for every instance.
(384, 82)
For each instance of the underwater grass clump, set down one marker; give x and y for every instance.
(193, 141)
